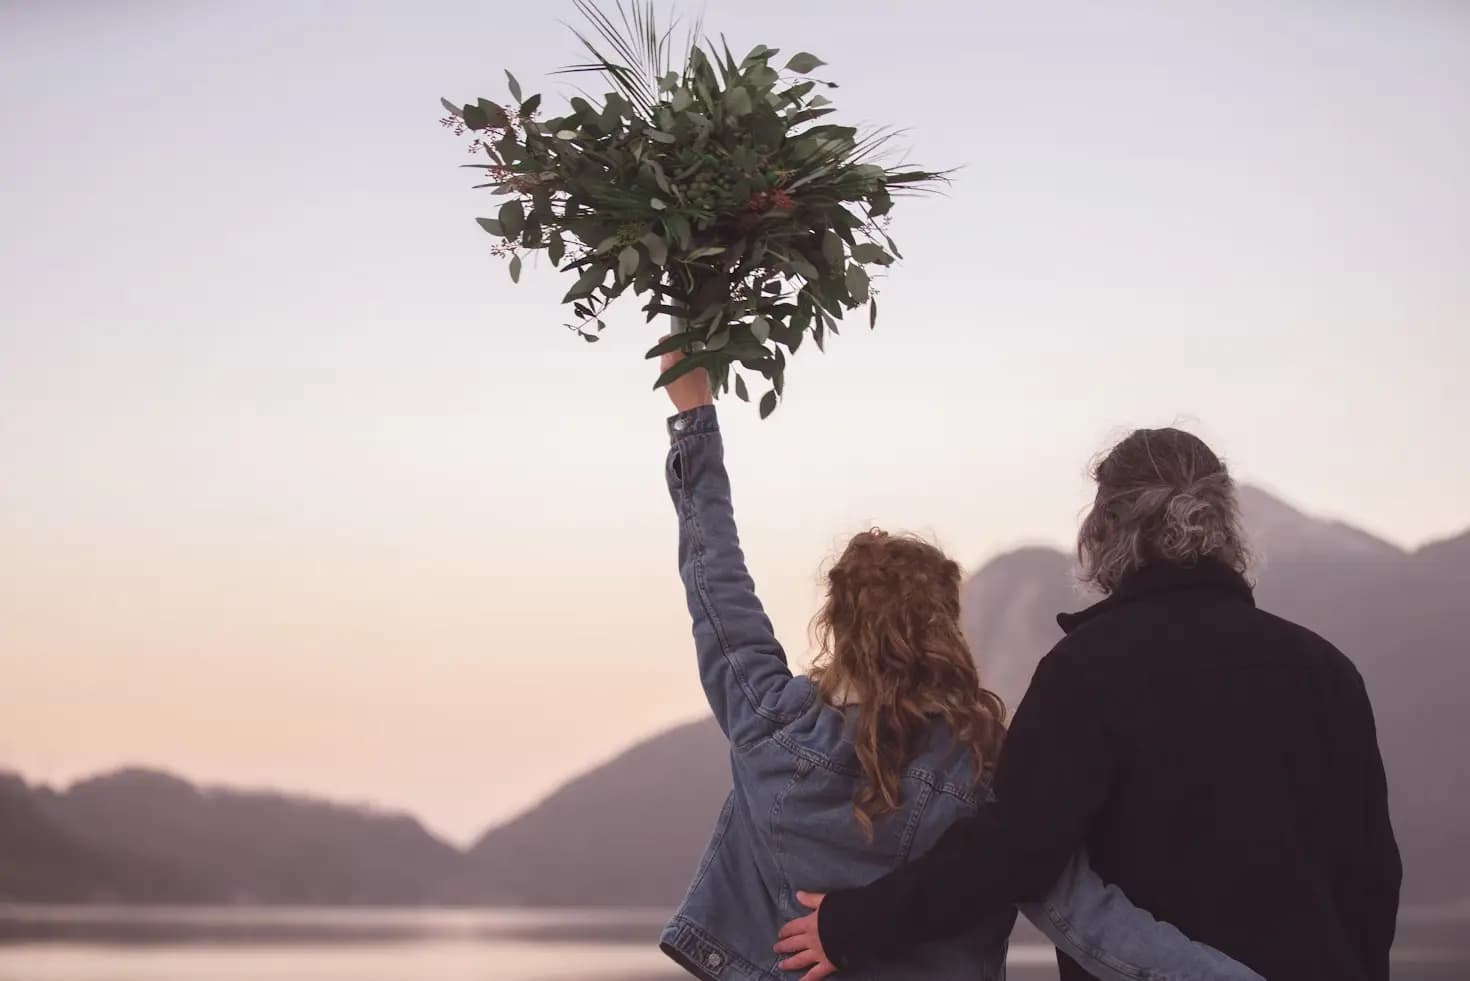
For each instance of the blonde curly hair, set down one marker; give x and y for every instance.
(888, 638)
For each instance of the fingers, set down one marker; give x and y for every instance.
(796, 962)
(807, 924)
(800, 939)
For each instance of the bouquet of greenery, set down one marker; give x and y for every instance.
(710, 189)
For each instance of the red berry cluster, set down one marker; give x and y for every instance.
(768, 200)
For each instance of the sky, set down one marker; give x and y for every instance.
(298, 490)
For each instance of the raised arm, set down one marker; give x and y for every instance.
(1097, 926)
(741, 665)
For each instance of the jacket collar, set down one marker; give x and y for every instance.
(1164, 577)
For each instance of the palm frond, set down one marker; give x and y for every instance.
(639, 51)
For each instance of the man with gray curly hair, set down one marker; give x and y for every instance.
(1218, 763)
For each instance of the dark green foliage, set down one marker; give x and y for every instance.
(708, 188)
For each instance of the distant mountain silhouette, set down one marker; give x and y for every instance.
(140, 835)
(39, 861)
(626, 833)
(630, 831)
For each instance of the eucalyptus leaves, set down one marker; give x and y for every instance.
(710, 189)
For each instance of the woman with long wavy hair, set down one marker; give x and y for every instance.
(841, 774)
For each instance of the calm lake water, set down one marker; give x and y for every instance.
(213, 944)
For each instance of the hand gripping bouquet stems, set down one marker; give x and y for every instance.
(714, 188)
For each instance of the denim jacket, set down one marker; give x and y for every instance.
(788, 821)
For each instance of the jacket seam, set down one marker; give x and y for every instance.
(775, 820)
(732, 957)
(756, 742)
(928, 777)
(701, 584)
(722, 826)
(906, 842)
(1064, 926)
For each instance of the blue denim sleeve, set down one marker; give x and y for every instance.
(1098, 927)
(741, 664)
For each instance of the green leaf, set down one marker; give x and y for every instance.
(797, 92)
(610, 118)
(658, 176)
(807, 115)
(681, 368)
(802, 62)
(740, 389)
(508, 148)
(531, 105)
(880, 202)
(760, 327)
(669, 82)
(567, 134)
(767, 129)
(818, 101)
(872, 313)
(512, 218)
(868, 252)
(682, 100)
(491, 225)
(718, 339)
(515, 269)
(475, 117)
(803, 268)
(656, 204)
(832, 250)
(659, 136)
(555, 248)
(627, 262)
(658, 250)
(454, 110)
(857, 282)
(768, 404)
(673, 342)
(705, 252)
(591, 338)
(591, 279)
(515, 87)
(737, 101)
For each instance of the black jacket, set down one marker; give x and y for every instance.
(1219, 764)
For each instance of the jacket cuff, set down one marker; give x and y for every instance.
(835, 929)
(700, 419)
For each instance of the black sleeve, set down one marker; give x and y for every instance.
(1381, 869)
(1052, 777)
